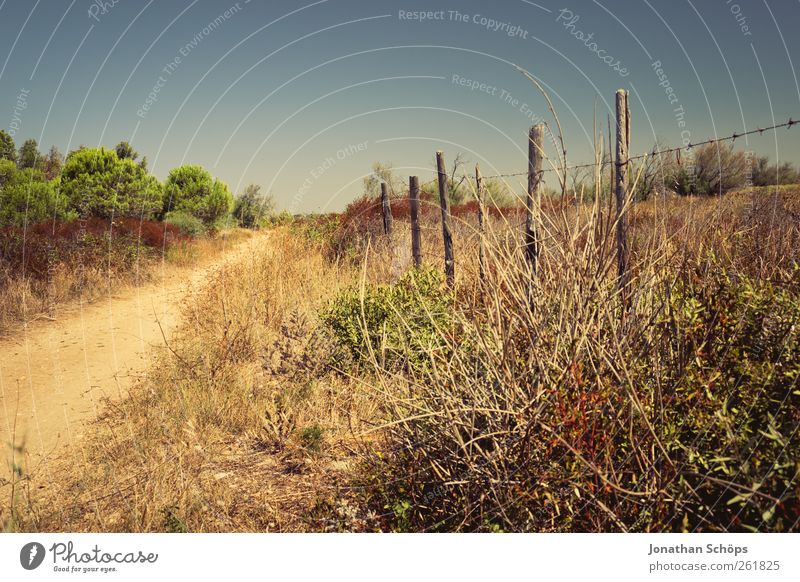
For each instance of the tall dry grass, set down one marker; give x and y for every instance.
(556, 402)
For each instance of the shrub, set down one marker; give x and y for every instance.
(193, 190)
(537, 427)
(7, 170)
(764, 174)
(312, 437)
(29, 155)
(715, 169)
(85, 247)
(393, 325)
(252, 209)
(188, 224)
(97, 183)
(282, 218)
(735, 405)
(26, 197)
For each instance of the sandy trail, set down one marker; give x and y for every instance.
(54, 374)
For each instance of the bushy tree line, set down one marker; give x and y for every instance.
(708, 170)
(108, 183)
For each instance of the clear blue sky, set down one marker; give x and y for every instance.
(282, 93)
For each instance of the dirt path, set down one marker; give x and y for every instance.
(53, 374)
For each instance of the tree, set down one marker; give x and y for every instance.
(29, 155)
(497, 194)
(125, 151)
(381, 172)
(52, 163)
(456, 189)
(251, 207)
(97, 183)
(8, 149)
(28, 197)
(764, 174)
(192, 189)
(7, 170)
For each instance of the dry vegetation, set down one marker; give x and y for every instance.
(326, 385)
(47, 265)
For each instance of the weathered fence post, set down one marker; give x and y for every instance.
(481, 231)
(413, 202)
(447, 233)
(621, 186)
(535, 154)
(387, 210)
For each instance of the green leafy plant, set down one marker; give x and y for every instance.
(394, 324)
(312, 437)
(171, 521)
(188, 223)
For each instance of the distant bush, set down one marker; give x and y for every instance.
(188, 223)
(253, 209)
(192, 189)
(714, 169)
(29, 155)
(764, 174)
(282, 218)
(8, 150)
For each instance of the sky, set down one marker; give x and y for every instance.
(302, 97)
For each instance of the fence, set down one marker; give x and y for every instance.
(620, 184)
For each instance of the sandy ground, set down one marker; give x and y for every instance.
(54, 374)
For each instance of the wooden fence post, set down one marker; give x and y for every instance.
(621, 186)
(481, 230)
(447, 233)
(535, 155)
(387, 210)
(416, 239)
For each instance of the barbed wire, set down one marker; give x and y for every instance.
(733, 137)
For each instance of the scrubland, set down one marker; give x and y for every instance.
(325, 384)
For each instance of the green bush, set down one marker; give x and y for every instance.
(8, 150)
(699, 435)
(7, 170)
(26, 197)
(312, 437)
(398, 324)
(97, 183)
(736, 403)
(252, 209)
(282, 218)
(193, 190)
(189, 224)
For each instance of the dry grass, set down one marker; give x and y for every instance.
(238, 428)
(63, 265)
(559, 407)
(567, 405)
